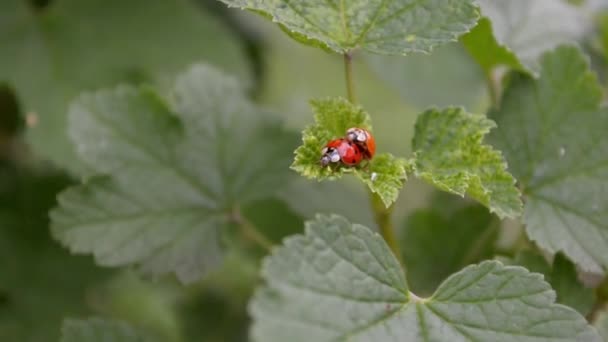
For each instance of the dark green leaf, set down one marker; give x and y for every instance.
(553, 134)
(450, 154)
(100, 330)
(174, 179)
(379, 26)
(49, 56)
(340, 281)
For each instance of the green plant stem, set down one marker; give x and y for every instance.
(250, 231)
(493, 88)
(382, 214)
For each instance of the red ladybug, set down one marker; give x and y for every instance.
(341, 150)
(364, 139)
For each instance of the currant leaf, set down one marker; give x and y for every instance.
(450, 154)
(100, 330)
(171, 175)
(378, 26)
(340, 281)
(560, 159)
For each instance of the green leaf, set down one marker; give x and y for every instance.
(450, 154)
(563, 278)
(553, 134)
(174, 174)
(435, 245)
(486, 51)
(39, 281)
(378, 26)
(527, 28)
(384, 174)
(50, 56)
(340, 281)
(100, 330)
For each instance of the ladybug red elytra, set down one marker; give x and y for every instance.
(364, 139)
(341, 150)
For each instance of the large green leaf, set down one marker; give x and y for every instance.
(436, 244)
(39, 281)
(450, 154)
(100, 330)
(527, 28)
(52, 55)
(174, 179)
(553, 134)
(340, 281)
(379, 26)
(384, 174)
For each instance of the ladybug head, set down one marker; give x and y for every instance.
(329, 155)
(356, 135)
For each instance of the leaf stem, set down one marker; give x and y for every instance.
(348, 71)
(494, 87)
(382, 214)
(250, 231)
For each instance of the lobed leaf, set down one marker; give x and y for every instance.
(100, 330)
(384, 174)
(339, 281)
(450, 154)
(553, 133)
(379, 26)
(174, 174)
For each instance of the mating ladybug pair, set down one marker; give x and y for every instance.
(357, 145)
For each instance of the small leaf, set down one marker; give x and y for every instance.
(486, 51)
(340, 281)
(527, 28)
(386, 27)
(553, 134)
(50, 56)
(563, 278)
(384, 174)
(449, 154)
(173, 179)
(435, 244)
(100, 330)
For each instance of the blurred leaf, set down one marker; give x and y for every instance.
(50, 56)
(100, 330)
(528, 28)
(273, 218)
(39, 282)
(450, 154)
(10, 117)
(174, 179)
(563, 278)
(486, 51)
(436, 245)
(384, 175)
(386, 27)
(553, 134)
(446, 77)
(340, 281)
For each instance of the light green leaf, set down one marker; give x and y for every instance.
(384, 174)
(40, 282)
(174, 179)
(340, 281)
(562, 276)
(528, 28)
(379, 26)
(450, 154)
(100, 330)
(553, 134)
(436, 244)
(50, 56)
(486, 51)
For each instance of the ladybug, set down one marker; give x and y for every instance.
(364, 139)
(341, 150)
